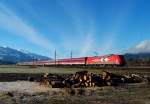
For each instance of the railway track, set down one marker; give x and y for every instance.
(108, 67)
(83, 67)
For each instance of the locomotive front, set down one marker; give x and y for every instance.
(107, 60)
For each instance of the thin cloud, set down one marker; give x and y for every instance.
(88, 42)
(87, 45)
(83, 37)
(119, 23)
(12, 22)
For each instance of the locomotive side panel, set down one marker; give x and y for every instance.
(104, 60)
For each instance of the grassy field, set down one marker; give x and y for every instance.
(138, 93)
(37, 69)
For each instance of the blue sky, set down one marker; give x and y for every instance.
(87, 27)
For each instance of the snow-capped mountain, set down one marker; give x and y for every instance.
(142, 47)
(9, 55)
(141, 50)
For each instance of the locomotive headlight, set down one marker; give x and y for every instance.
(117, 61)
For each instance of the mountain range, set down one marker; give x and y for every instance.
(141, 50)
(142, 47)
(12, 56)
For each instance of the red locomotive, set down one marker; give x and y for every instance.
(107, 60)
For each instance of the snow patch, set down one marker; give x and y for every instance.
(24, 51)
(5, 46)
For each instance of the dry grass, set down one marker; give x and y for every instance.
(28, 69)
(105, 95)
(123, 94)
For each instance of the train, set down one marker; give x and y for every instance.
(105, 60)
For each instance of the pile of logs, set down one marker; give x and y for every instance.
(87, 79)
(80, 79)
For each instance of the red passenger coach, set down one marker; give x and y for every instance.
(71, 61)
